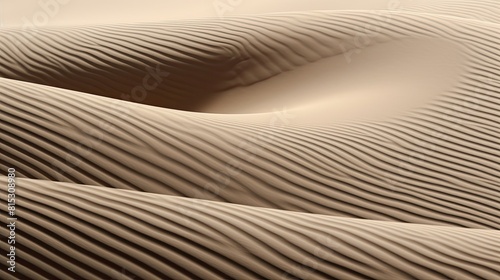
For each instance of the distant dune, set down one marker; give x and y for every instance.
(311, 144)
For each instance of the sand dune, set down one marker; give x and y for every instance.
(95, 232)
(325, 144)
(182, 65)
(357, 174)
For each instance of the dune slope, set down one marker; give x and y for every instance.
(101, 233)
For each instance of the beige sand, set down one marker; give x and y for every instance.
(114, 234)
(347, 141)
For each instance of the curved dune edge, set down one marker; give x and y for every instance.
(183, 65)
(94, 232)
(353, 170)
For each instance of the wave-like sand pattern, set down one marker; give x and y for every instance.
(123, 190)
(216, 54)
(360, 170)
(482, 10)
(74, 231)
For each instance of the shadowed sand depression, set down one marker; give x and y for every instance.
(381, 160)
(381, 79)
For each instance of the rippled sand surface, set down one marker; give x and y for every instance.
(302, 140)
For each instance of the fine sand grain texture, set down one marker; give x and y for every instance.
(304, 140)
